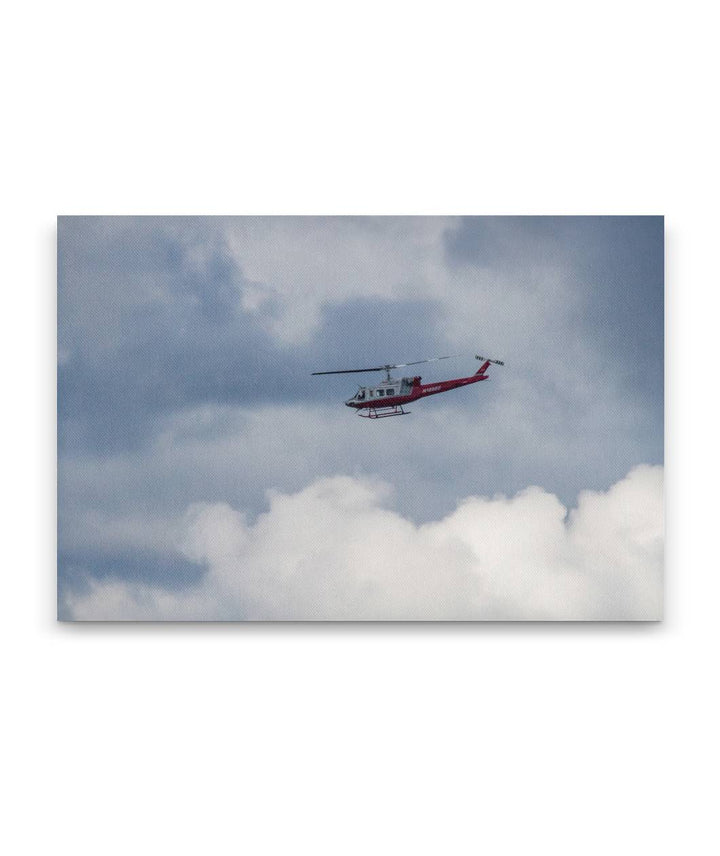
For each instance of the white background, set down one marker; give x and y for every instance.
(359, 739)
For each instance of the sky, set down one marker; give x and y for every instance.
(205, 474)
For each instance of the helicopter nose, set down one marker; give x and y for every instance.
(348, 403)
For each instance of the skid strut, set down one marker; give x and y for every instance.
(382, 412)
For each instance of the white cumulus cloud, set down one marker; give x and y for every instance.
(335, 550)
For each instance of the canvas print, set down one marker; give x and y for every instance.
(360, 418)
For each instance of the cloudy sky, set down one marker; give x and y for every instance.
(204, 473)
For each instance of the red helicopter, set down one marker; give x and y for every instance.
(388, 397)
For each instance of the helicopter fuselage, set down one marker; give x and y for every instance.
(396, 392)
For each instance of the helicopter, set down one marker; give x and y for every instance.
(390, 396)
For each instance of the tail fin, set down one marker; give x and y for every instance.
(486, 362)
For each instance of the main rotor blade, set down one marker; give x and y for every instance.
(397, 365)
(429, 360)
(353, 371)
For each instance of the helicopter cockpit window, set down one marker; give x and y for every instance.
(381, 392)
(360, 395)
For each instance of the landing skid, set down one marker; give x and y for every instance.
(382, 412)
